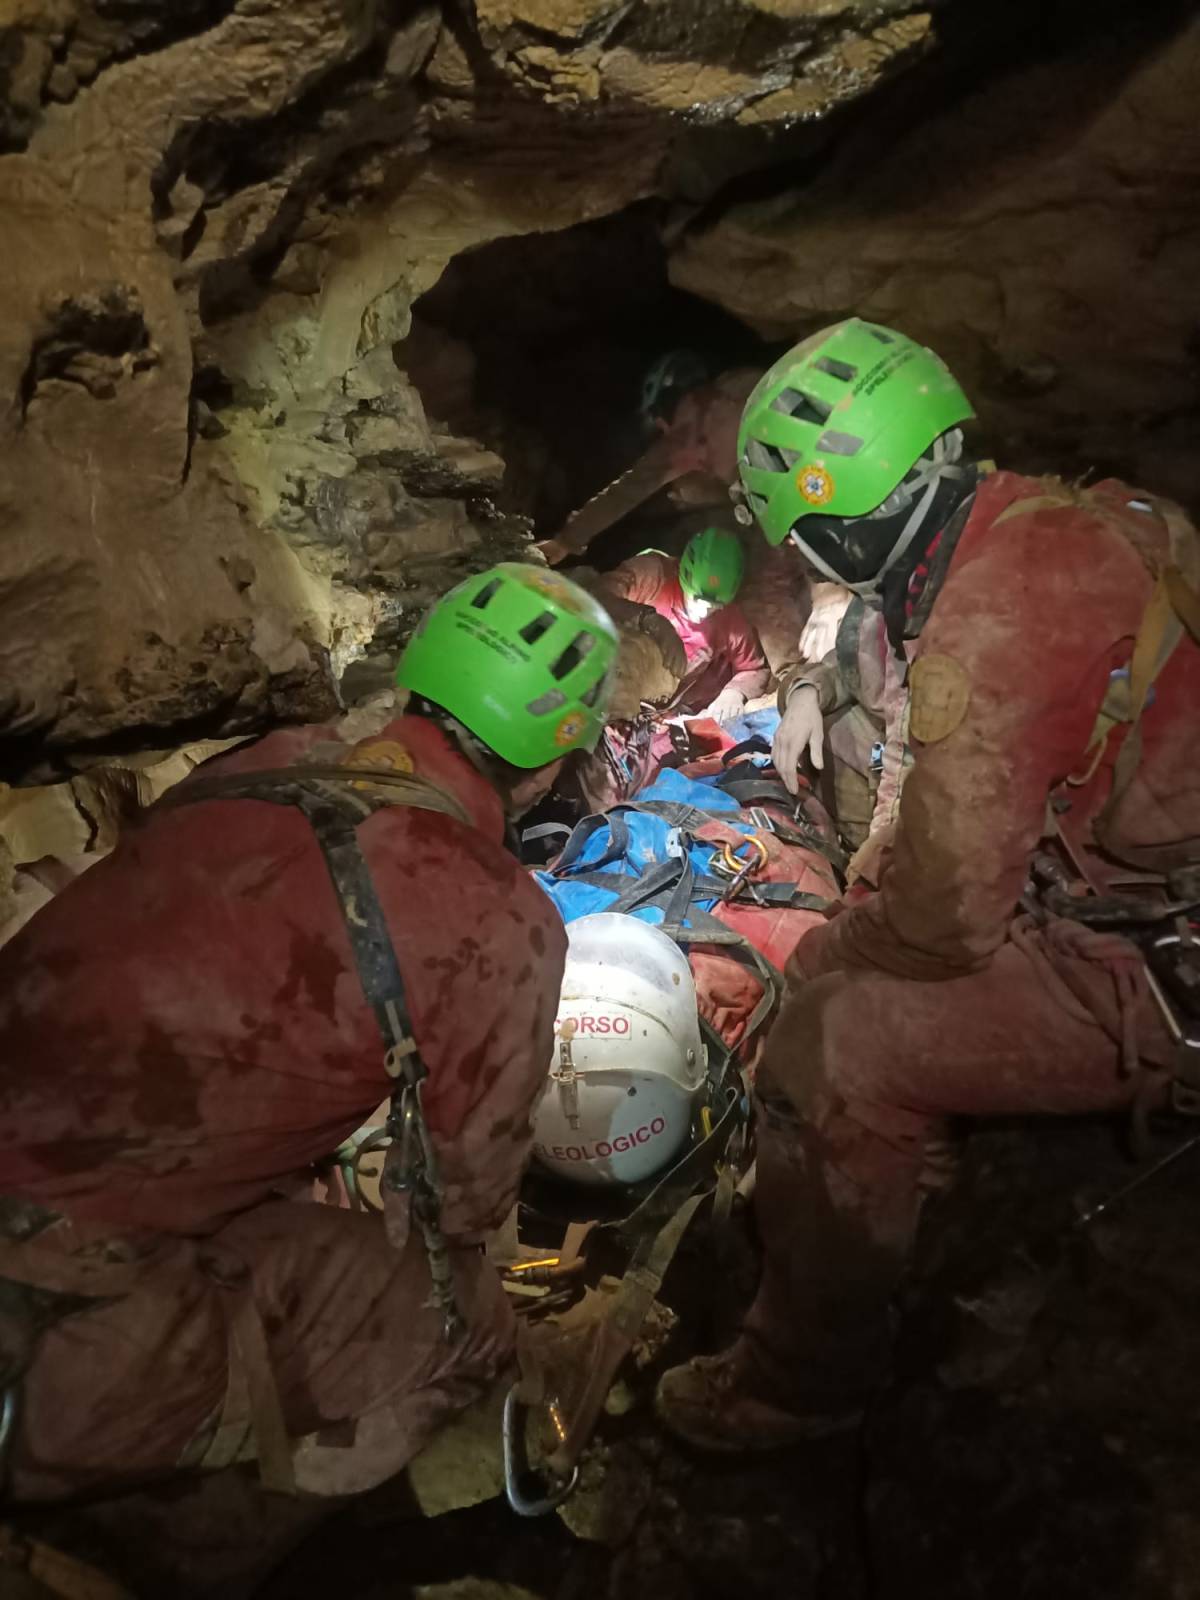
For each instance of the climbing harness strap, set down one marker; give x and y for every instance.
(335, 800)
(1172, 610)
(619, 1330)
(614, 1339)
(846, 647)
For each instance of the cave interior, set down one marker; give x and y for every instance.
(315, 307)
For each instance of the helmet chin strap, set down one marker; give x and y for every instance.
(942, 462)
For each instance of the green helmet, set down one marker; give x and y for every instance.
(522, 657)
(712, 566)
(835, 427)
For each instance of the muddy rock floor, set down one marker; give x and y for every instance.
(1039, 1439)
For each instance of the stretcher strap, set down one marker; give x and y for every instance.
(617, 1333)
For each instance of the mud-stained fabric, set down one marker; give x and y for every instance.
(775, 599)
(929, 999)
(183, 1034)
(1037, 613)
(723, 651)
(860, 1074)
(353, 1334)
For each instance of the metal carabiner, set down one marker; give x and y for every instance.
(517, 1469)
(8, 1423)
(405, 1134)
(729, 864)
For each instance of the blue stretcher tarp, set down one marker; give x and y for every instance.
(644, 840)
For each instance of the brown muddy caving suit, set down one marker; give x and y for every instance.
(183, 1038)
(927, 999)
(862, 695)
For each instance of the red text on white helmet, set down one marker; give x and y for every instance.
(628, 1063)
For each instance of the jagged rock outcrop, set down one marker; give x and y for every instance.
(217, 481)
(1039, 230)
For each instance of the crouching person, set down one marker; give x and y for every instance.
(1055, 697)
(304, 927)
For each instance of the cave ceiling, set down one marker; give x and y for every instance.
(231, 456)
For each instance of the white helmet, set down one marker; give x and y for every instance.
(628, 1064)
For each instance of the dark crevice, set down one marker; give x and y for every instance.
(95, 341)
(978, 46)
(146, 27)
(562, 329)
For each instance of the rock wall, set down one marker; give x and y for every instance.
(218, 479)
(216, 482)
(1038, 226)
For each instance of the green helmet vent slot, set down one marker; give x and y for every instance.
(572, 656)
(803, 407)
(839, 444)
(770, 457)
(533, 631)
(550, 701)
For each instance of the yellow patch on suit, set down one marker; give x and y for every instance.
(940, 692)
(381, 755)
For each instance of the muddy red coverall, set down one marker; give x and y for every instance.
(183, 1034)
(723, 651)
(928, 999)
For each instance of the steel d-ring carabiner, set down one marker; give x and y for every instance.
(517, 1471)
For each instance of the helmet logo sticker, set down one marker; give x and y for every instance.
(569, 728)
(815, 485)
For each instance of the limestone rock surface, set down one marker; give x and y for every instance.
(230, 461)
(1038, 229)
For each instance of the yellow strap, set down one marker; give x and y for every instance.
(1185, 601)
(248, 1337)
(1158, 633)
(57, 1573)
(1173, 605)
(1035, 502)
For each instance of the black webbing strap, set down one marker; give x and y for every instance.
(669, 885)
(545, 830)
(704, 929)
(754, 790)
(334, 811)
(783, 896)
(846, 647)
(344, 785)
(583, 831)
(755, 745)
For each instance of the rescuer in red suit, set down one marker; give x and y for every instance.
(191, 1027)
(1055, 695)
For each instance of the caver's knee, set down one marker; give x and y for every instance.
(833, 1049)
(397, 1419)
(813, 1043)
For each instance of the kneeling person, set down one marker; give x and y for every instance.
(697, 596)
(191, 1027)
